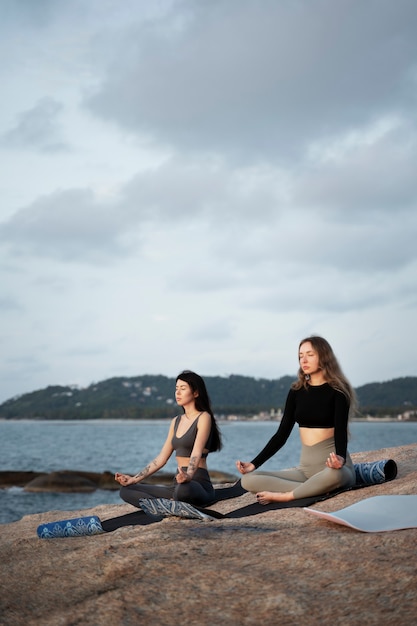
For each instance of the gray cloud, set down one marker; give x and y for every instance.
(27, 13)
(363, 180)
(261, 219)
(75, 224)
(37, 128)
(69, 225)
(9, 304)
(216, 330)
(259, 81)
(241, 174)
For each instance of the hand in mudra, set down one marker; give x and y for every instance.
(245, 468)
(124, 479)
(182, 477)
(335, 461)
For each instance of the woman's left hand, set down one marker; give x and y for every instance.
(182, 477)
(335, 461)
(124, 479)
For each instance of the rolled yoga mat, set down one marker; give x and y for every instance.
(375, 473)
(71, 528)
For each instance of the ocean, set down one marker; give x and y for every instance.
(126, 446)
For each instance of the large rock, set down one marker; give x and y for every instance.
(79, 481)
(61, 482)
(278, 568)
(17, 479)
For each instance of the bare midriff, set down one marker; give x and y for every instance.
(311, 436)
(183, 461)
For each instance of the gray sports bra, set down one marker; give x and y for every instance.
(183, 446)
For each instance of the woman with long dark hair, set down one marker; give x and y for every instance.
(320, 401)
(192, 435)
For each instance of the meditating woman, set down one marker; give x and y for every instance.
(192, 435)
(319, 401)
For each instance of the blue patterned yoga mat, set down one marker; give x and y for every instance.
(375, 472)
(71, 528)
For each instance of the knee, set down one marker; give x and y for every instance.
(126, 494)
(336, 478)
(183, 492)
(247, 482)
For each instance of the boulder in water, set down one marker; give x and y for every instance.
(61, 481)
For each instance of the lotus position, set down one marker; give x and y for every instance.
(192, 435)
(319, 401)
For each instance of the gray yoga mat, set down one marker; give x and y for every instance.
(375, 515)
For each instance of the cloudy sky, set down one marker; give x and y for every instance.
(200, 184)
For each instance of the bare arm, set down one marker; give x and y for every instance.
(152, 467)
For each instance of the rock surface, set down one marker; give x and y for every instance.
(277, 568)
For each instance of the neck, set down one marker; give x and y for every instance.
(317, 378)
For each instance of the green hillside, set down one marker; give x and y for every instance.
(147, 397)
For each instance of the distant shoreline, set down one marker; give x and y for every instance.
(162, 420)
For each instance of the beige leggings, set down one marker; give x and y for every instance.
(311, 478)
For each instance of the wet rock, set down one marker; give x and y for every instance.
(61, 482)
(80, 481)
(17, 479)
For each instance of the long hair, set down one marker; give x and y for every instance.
(330, 368)
(203, 403)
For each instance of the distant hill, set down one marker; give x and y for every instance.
(147, 397)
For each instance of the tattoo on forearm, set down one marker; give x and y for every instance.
(192, 465)
(145, 472)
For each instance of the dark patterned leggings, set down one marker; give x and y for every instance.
(198, 491)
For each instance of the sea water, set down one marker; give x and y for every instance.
(128, 445)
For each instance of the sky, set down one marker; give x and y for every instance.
(190, 184)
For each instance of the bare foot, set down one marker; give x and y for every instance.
(266, 497)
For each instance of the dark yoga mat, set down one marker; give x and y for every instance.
(367, 474)
(139, 518)
(374, 473)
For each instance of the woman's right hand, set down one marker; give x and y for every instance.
(244, 468)
(124, 479)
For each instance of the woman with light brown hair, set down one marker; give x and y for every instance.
(320, 401)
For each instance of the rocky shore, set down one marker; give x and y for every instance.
(77, 481)
(277, 568)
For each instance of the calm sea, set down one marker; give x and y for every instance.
(127, 446)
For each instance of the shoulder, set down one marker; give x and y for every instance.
(296, 392)
(203, 419)
(292, 396)
(174, 421)
(335, 391)
(340, 397)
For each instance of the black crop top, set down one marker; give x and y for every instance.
(319, 406)
(184, 445)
